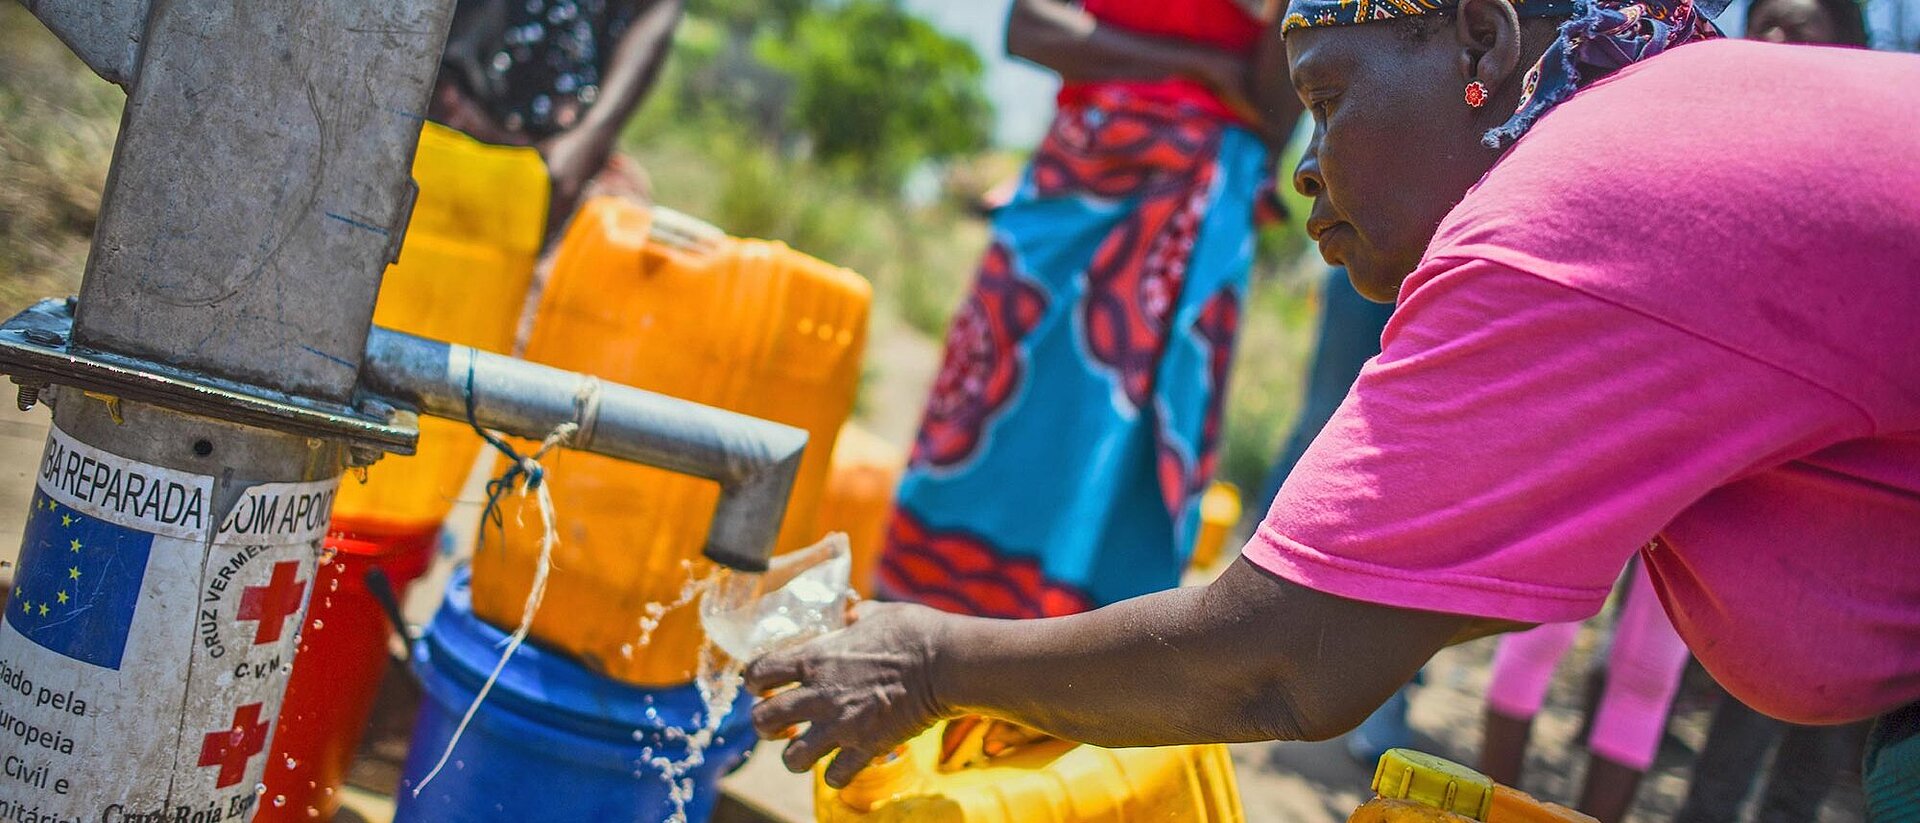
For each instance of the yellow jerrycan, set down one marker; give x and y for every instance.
(746, 325)
(1413, 787)
(972, 770)
(1219, 513)
(858, 499)
(462, 277)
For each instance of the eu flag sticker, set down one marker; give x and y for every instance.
(78, 582)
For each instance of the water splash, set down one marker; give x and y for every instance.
(653, 613)
(718, 679)
(746, 615)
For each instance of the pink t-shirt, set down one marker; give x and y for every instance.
(1686, 304)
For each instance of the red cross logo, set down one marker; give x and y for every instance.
(273, 603)
(230, 749)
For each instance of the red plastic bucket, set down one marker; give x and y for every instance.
(338, 667)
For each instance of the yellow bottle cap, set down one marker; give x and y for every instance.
(882, 780)
(1443, 784)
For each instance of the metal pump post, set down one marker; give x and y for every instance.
(219, 372)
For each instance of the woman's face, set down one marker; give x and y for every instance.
(1394, 148)
(1791, 21)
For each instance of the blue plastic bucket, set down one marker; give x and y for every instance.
(553, 741)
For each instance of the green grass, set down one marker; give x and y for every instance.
(57, 126)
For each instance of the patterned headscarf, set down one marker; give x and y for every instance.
(1599, 38)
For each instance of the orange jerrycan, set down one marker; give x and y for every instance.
(1412, 787)
(979, 771)
(860, 483)
(745, 325)
(462, 276)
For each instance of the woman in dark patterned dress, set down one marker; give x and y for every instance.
(560, 75)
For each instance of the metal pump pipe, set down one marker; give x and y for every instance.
(754, 461)
(204, 392)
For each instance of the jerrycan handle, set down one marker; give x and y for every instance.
(684, 232)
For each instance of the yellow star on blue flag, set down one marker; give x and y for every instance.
(78, 582)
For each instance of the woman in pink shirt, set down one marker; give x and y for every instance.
(1655, 296)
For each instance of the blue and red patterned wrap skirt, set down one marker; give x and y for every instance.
(1076, 417)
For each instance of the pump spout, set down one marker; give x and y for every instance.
(755, 461)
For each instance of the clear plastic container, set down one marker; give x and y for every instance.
(805, 595)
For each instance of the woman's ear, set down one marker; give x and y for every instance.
(1489, 38)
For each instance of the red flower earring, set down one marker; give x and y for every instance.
(1476, 94)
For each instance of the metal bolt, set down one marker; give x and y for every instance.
(43, 337)
(29, 395)
(376, 408)
(362, 456)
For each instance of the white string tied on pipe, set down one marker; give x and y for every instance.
(532, 476)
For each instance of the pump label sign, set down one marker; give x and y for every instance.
(145, 649)
(136, 495)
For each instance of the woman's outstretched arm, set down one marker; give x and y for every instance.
(1249, 657)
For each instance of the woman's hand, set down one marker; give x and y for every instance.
(862, 691)
(452, 108)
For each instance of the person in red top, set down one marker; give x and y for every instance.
(1108, 301)
(1206, 47)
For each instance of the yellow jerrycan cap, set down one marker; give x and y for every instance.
(1405, 774)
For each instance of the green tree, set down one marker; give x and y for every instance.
(749, 15)
(879, 89)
